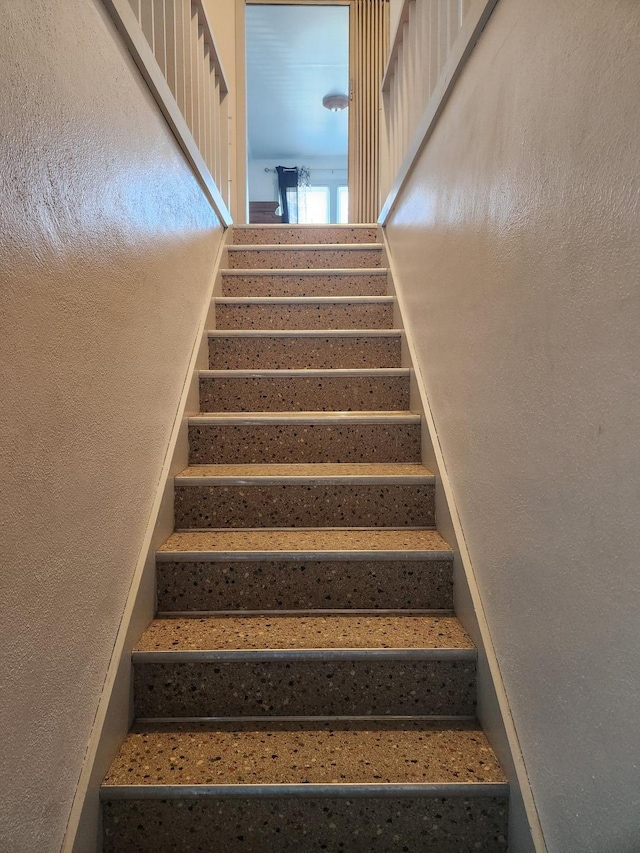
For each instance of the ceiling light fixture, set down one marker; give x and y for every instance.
(335, 102)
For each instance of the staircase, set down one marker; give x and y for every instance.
(305, 685)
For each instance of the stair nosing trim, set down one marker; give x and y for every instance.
(305, 333)
(286, 556)
(369, 718)
(319, 373)
(274, 614)
(193, 481)
(284, 419)
(306, 790)
(280, 528)
(302, 247)
(139, 656)
(303, 300)
(292, 271)
(299, 226)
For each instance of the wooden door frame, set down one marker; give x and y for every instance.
(241, 89)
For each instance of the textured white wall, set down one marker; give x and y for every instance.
(106, 249)
(517, 245)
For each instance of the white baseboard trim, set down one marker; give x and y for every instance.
(115, 708)
(494, 710)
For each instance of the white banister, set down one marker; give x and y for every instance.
(432, 42)
(174, 48)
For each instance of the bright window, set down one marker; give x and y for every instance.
(313, 205)
(343, 204)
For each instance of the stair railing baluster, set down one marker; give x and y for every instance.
(173, 45)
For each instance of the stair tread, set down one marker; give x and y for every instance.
(332, 752)
(308, 631)
(304, 541)
(308, 471)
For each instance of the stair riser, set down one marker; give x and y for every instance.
(289, 236)
(305, 688)
(308, 505)
(305, 585)
(292, 443)
(304, 393)
(248, 353)
(306, 259)
(308, 825)
(351, 315)
(342, 284)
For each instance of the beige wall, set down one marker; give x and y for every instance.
(106, 249)
(395, 10)
(517, 244)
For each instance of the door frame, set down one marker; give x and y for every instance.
(241, 93)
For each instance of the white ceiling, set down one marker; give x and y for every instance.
(295, 56)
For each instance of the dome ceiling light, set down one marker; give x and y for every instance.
(335, 102)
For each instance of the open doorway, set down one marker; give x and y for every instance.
(297, 58)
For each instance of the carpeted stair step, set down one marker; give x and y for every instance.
(304, 495)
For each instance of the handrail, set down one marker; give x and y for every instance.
(172, 44)
(433, 41)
